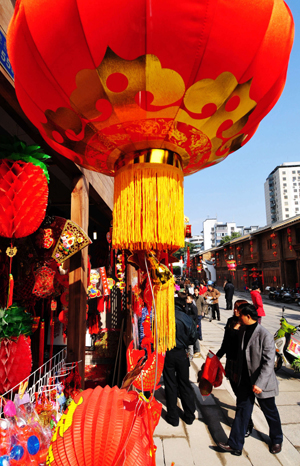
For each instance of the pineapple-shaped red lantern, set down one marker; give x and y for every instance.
(15, 352)
(23, 187)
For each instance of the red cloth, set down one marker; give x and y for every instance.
(257, 302)
(202, 290)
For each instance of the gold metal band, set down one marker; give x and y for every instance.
(149, 156)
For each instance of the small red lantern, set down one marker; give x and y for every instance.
(273, 235)
(274, 253)
(274, 245)
(188, 231)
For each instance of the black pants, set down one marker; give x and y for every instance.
(215, 311)
(244, 408)
(228, 302)
(176, 375)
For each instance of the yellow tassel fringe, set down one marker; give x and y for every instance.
(148, 207)
(165, 315)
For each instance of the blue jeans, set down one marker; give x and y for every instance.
(244, 408)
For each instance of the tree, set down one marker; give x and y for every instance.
(227, 238)
(182, 251)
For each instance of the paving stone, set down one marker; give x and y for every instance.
(202, 445)
(291, 431)
(179, 451)
(159, 456)
(289, 415)
(288, 398)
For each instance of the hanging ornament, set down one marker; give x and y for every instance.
(164, 101)
(23, 187)
(15, 352)
(72, 240)
(44, 277)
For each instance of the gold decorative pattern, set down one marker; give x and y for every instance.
(127, 105)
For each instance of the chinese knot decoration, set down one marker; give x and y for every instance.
(171, 93)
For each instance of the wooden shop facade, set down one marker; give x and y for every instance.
(270, 255)
(86, 198)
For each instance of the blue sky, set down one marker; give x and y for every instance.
(233, 190)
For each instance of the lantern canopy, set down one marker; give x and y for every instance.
(149, 94)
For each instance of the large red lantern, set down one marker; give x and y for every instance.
(149, 93)
(105, 427)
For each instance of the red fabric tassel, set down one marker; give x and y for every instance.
(10, 290)
(42, 342)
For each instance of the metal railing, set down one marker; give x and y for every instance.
(38, 379)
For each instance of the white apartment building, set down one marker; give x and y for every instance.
(282, 192)
(214, 231)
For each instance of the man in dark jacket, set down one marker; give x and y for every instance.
(229, 290)
(257, 379)
(176, 368)
(192, 311)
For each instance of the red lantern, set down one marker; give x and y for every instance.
(188, 231)
(15, 361)
(273, 235)
(274, 245)
(274, 253)
(106, 426)
(178, 88)
(23, 188)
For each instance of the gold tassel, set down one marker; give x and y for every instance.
(165, 315)
(148, 207)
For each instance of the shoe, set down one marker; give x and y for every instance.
(188, 420)
(201, 339)
(219, 319)
(172, 422)
(276, 448)
(226, 447)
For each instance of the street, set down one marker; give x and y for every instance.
(195, 445)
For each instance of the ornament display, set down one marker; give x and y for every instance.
(177, 94)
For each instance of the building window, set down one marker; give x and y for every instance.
(284, 173)
(269, 243)
(284, 185)
(293, 172)
(287, 216)
(296, 202)
(285, 197)
(284, 179)
(232, 228)
(286, 210)
(297, 208)
(295, 191)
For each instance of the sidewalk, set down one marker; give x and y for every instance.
(195, 445)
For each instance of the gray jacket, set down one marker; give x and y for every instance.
(260, 357)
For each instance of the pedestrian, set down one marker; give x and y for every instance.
(202, 288)
(200, 303)
(191, 289)
(256, 379)
(191, 310)
(229, 347)
(176, 368)
(257, 301)
(229, 291)
(214, 294)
